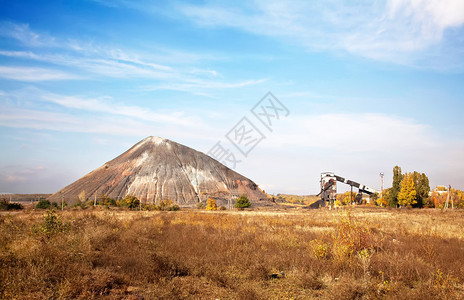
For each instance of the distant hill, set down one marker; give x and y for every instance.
(155, 169)
(24, 197)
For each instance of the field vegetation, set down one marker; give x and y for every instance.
(363, 253)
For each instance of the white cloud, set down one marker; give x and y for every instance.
(23, 34)
(431, 14)
(42, 120)
(345, 131)
(170, 69)
(199, 86)
(34, 74)
(106, 105)
(115, 64)
(17, 174)
(22, 103)
(394, 30)
(357, 146)
(107, 125)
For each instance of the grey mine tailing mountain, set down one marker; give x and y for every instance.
(156, 169)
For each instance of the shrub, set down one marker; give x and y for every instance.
(7, 205)
(103, 199)
(444, 283)
(242, 202)
(211, 204)
(46, 204)
(319, 248)
(79, 204)
(51, 224)
(129, 201)
(168, 205)
(4, 204)
(351, 236)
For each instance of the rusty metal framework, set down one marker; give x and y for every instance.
(329, 188)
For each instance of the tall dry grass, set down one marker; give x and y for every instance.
(365, 253)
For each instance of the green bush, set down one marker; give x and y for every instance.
(242, 202)
(15, 206)
(7, 205)
(103, 199)
(129, 201)
(163, 205)
(46, 204)
(51, 225)
(168, 205)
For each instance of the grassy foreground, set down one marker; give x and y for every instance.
(364, 254)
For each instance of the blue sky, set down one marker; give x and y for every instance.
(368, 86)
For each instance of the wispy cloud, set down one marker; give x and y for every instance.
(118, 64)
(34, 74)
(15, 174)
(393, 30)
(169, 68)
(41, 110)
(43, 120)
(200, 86)
(115, 63)
(23, 34)
(108, 106)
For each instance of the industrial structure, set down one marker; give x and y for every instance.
(329, 188)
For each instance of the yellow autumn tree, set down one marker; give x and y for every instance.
(346, 198)
(382, 201)
(407, 195)
(211, 204)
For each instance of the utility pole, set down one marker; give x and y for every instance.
(449, 196)
(351, 195)
(95, 200)
(381, 186)
(446, 206)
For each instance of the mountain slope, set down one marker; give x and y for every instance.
(155, 169)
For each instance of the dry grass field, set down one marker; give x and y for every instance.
(363, 253)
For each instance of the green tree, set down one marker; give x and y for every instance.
(407, 195)
(421, 182)
(46, 204)
(392, 198)
(211, 204)
(242, 202)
